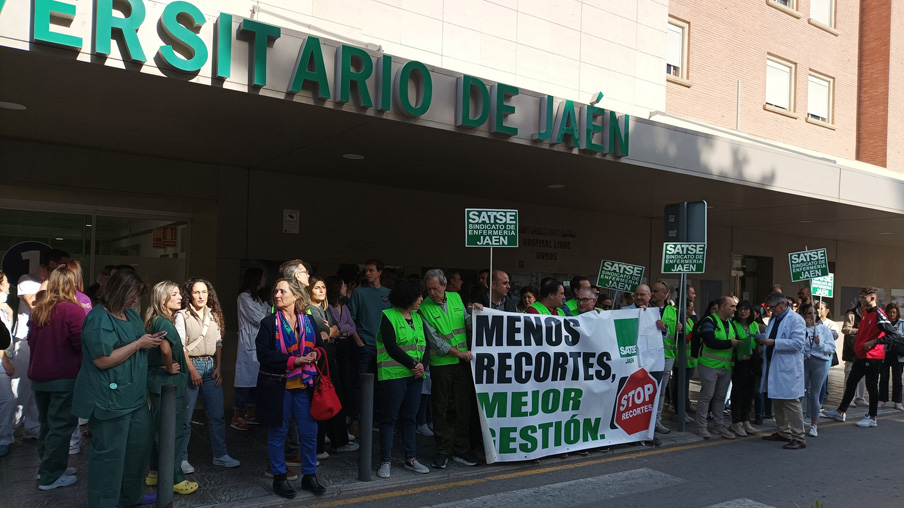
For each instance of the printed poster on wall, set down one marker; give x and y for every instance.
(548, 385)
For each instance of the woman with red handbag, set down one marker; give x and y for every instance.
(286, 349)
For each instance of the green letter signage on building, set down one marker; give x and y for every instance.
(105, 23)
(347, 77)
(468, 88)
(262, 33)
(44, 11)
(186, 36)
(423, 85)
(500, 109)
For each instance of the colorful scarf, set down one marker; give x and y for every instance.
(291, 345)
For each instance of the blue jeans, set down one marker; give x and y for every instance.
(297, 404)
(404, 394)
(213, 405)
(243, 398)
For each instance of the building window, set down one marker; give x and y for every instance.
(779, 84)
(787, 6)
(823, 12)
(677, 51)
(819, 98)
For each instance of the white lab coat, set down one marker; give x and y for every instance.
(785, 378)
(246, 365)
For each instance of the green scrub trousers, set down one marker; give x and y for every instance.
(120, 449)
(57, 425)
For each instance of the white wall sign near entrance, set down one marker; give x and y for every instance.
(619, 276)
(823, 286)
(683, 257)
(491, 228)
(290, 221)
(808, 264)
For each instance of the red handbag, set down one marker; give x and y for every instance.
(324, 403)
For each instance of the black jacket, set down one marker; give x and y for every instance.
(273, 362)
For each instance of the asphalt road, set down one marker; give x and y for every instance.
(845, 466)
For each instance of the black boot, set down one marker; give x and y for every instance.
(309, 482)
(281, 486)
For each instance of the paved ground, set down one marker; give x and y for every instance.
(246, 486)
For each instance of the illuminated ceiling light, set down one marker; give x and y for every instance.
(12, 105)
(556, 186)
(885, 233)
(353, 156)
(807, 222)
(58, 239)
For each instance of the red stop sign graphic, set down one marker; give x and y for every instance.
(634, 404)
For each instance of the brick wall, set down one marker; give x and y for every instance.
(895, 150)
(872, 121)
(730, 40)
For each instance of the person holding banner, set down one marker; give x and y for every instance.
(586, 299)
(552, 297)
(401, 354)
(499, 294)
(446, 323)
(640, 298)
(719, 337)
(783, 371)
(668, 324)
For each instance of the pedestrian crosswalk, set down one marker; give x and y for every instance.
(573, 492)
(588, 492)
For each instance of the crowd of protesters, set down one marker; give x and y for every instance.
(89, 356)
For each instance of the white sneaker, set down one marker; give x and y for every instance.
(424, 430)
(323, 456)
(187, 468)
(351, 447)
(68, 472)
(813, 432)
(351, 437)
(834, 413)
(867, 422)
(62, 481)
(225, 461)
(75, 450)
(662, 429)
(383, 472)
(416, 466)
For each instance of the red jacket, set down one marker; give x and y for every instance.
(873, 325)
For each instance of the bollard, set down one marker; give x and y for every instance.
(166, 447)
(366, 424)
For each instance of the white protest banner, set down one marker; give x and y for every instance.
(548, 384)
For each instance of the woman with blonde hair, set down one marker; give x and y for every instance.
(286, 343)
(80, 297)
(166, 366)
(55, 339)
(200, 325)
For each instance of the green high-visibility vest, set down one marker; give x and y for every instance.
(670, 318)
(691, 362)
(572, 306)
(410, 340)
(718, 358)
(542, 309)
(746, 347)
(449, 325)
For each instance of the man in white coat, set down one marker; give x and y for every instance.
(783, 371)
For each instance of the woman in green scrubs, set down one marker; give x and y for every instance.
(166, 366)
(111, 392)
